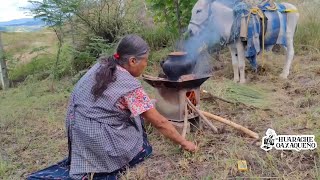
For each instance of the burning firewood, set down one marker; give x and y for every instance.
(194, 108)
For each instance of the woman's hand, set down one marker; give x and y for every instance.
(189, 146)
(167, 129)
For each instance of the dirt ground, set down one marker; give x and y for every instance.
(33, 133)
(292, 107)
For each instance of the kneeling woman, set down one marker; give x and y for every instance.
(106, 112)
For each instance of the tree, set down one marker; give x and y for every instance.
(172, 12)
(55, 13)
(106, 18)
(100, 23)
(91, 22)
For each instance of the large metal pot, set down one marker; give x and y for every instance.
(176, 65)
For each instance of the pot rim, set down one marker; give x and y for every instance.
(178, 53)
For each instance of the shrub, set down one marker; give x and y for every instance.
(39, 65)
(158, 37)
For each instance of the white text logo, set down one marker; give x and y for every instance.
(287, 142)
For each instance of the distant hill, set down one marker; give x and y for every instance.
(23, 24)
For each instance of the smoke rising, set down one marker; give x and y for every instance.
(196, 47)
(209, 35)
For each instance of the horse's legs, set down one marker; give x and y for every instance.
(241, 60)
(289, 58)
(292, 20)
(235, 63)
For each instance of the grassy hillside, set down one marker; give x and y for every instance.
(33, 55)
(33, 133)
(18, 44)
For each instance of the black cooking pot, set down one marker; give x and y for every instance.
(176, 65)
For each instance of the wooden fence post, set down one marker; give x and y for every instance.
(3, 68)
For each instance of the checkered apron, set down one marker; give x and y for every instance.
(103, 137)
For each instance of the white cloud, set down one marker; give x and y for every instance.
(11, 9)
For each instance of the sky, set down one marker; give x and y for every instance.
(11, 9)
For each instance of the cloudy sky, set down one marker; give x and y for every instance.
(11, 9)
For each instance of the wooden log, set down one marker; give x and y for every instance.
(232, 124)
(185, 123)
(202, 116)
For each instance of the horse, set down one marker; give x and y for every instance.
(220, 15)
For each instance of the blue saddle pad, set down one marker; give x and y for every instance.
(59, 171)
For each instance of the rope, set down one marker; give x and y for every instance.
(291, 11)
(273, 7)
(259, 12)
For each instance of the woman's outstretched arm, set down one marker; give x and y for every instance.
(167, 129)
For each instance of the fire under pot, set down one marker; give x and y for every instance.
(172, 97)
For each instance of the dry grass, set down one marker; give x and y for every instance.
(289, 106)
(20, 46)
(33, 134)
(32, 128)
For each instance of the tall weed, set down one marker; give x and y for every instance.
(307, 37)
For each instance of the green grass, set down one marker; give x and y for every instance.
(4, 167)
(307, 35)
(250, 95)
(308, 31)
(32, 126)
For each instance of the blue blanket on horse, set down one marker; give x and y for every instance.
(270, 7)
(275, 31)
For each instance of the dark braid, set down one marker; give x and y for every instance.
(130, 45)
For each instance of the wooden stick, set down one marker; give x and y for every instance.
(185, 124)
(232, 124)
(202, 116)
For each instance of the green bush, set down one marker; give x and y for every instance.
(44, 65)
(65, 65)
(154, 60)
(39, 65)
(82, 60)
(159, 37)
(93, 49)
